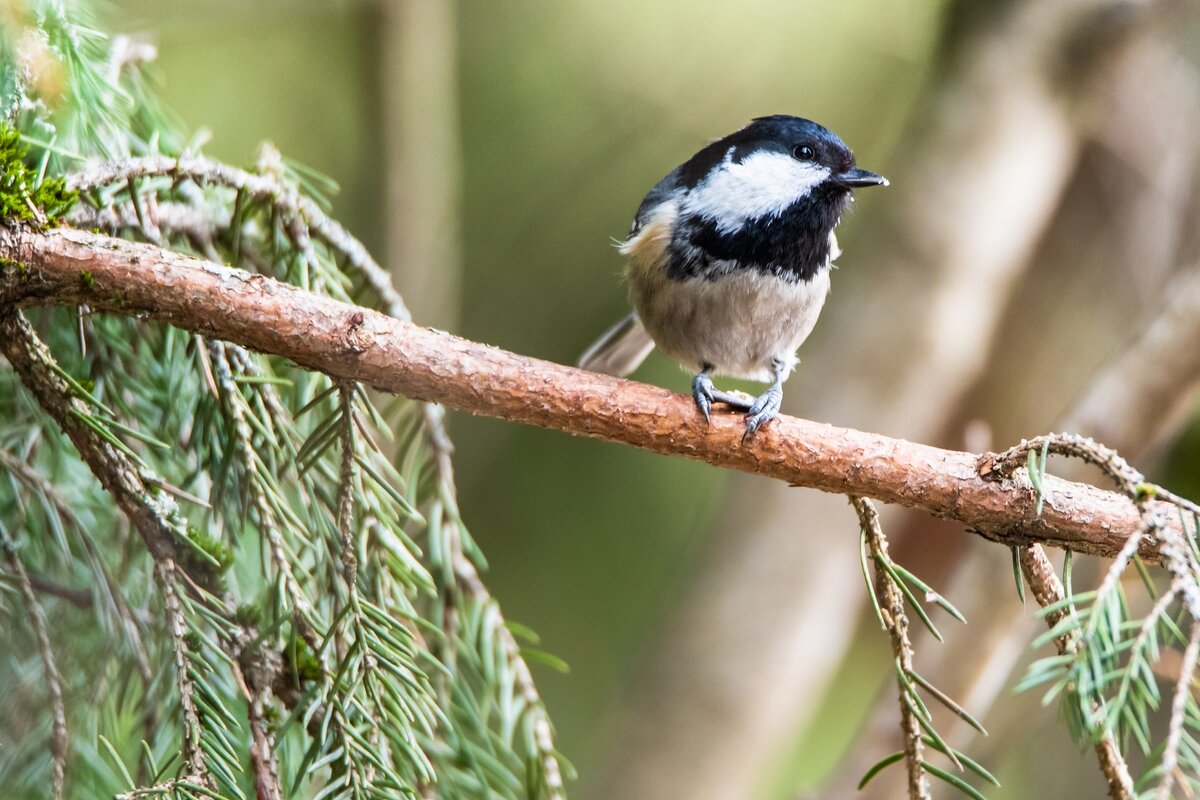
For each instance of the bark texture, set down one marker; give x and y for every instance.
(347, 342)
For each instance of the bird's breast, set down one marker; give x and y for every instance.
(739, 323)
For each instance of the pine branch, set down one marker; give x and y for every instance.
(461, 591)
(1183, 692)
(1047, 589)
(302, 212)
(154, 516)
(193, 750)
(222, 375)
(891, 608)
(72, 267)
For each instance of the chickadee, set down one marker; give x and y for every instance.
(729, 260)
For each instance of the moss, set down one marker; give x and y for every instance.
(248, 615)
(22, 196)
(215, 549)
(88, 280)
(300, 662)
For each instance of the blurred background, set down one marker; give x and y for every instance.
(1032, 267)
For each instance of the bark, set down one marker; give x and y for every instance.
(69, 267)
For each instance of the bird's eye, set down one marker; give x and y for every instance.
(803, 152)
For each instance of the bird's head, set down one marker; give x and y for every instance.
(772, 165)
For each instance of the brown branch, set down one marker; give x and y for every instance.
(66, 267)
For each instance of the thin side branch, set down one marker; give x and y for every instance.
(222, 375)
(68, 267)
(1047, 589)
(345, 497)
(153, 514)
(891, 607)
(263, 187)
(193, 751)
(1183, 691)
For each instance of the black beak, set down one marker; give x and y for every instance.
(856, 178)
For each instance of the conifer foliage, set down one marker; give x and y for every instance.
(223, 576)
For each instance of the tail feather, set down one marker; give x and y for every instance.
(620, 350)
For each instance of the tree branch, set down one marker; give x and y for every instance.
(64, 267)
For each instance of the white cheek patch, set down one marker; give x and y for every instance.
(762, 185)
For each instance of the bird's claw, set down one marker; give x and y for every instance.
(702, 393)
(764, 409)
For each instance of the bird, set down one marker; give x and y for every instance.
(729, 257)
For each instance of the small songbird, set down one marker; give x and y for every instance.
(729, 260)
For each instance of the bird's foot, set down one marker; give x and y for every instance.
(705, 394)
(763, 410)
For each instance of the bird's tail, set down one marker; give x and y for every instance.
(620, 350)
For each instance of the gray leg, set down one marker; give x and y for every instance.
(766, 407)
(705, 394)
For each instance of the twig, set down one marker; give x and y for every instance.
(1003, 465)
(193, 751)
(80, 598)
(154, 515)
(222, 373)
(264, 188)
(1047, 589)
(256, 669)
(352, 343)
(345, 496)
(891, 608)
(1168, 542)
(54, 682)
(1183, 690)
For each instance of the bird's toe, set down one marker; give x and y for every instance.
(764, 409)
(702, 393)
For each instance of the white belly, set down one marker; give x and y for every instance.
(738, 324)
